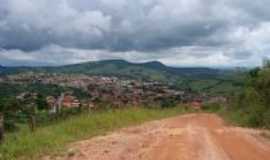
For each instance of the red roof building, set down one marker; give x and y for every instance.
(70, 102)
(196, 104)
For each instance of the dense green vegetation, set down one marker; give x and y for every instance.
(251, 106)
(11, 90)
(17, 112)
(215, 86)
(51, 139)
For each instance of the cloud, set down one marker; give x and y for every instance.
(176, 32)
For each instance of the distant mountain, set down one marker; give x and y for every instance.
(2, 69)
(119, 68)
(149, 70)
(154, 65)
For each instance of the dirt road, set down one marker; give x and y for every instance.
(187, 137)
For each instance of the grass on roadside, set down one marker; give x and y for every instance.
(239, 116)
(52, 139)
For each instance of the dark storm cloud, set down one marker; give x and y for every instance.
(138, 30)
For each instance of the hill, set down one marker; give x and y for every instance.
(196, 78)
(2, 69)
(126, 68)
(121, 68)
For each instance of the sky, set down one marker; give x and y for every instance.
(212, 33)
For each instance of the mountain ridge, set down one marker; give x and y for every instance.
(153, 70)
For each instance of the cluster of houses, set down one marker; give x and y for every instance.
(65, 100)
(111, 90)
(131, 92)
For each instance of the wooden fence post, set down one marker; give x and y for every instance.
(1, 127)
(32, 122)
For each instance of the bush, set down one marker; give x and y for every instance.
(251, 107)
(213, 107)
(266, 118)
(168, 103)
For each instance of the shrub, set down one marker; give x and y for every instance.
(251, 107)
(212, 107)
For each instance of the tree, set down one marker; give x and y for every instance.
(266, 63)
(30, 108)
(254, 102)
(41, 102)
(1, 127)
(8, 107)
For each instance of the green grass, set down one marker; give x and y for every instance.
(52, 139)
(242, 117)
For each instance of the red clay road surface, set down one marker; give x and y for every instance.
(187, 137)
